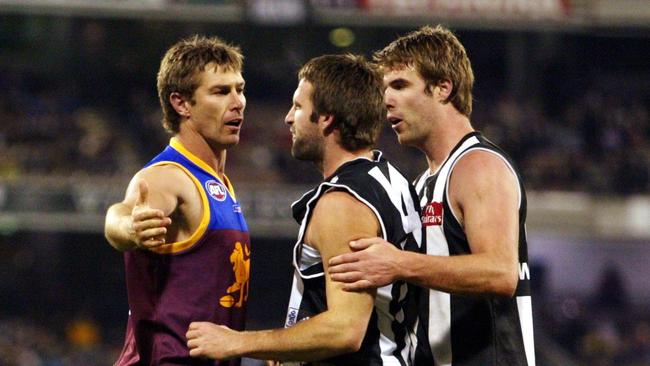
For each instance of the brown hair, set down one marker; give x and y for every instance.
(436, 54)
(181, 65)
(351, 89)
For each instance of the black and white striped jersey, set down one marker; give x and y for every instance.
(390, 338)
(469, 330)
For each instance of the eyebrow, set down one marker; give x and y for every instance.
(228, 86)
(398, 82)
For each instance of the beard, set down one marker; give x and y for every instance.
(307, 149)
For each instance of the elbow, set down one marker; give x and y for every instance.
(350, 341)
(505, 285)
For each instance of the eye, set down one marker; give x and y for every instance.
(397, 84)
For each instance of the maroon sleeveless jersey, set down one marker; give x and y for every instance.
(203, 278)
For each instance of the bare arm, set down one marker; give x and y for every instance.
(484, 195)
(338, 330)
(142, 218)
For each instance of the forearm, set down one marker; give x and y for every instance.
(316, 338)
(473, 274)
(118, 227)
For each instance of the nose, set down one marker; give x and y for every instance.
(239, 101)
(389, 100)
(288, 119)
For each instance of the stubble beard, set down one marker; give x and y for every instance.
(307, 150)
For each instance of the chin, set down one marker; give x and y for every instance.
(407, 141)
(230, 142)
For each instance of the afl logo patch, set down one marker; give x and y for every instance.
(216, 190)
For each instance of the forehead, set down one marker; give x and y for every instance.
(217, 75)
(401, 72)
(303, 91)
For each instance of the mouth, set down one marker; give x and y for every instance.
(394, 120)
(236, 122)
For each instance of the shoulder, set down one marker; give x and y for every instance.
(483, 171)
(338, 219)
(165, 178)
(341, 202)
(483, 163)
(164, 173)
(341, 211)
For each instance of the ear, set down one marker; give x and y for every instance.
(445, 87)
(326, 123)
(180, 105)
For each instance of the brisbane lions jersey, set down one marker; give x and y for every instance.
(390, 337)
(202, 278)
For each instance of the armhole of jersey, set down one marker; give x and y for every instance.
(451, 170)
(326, 188)
(179, 246)
(354, 194)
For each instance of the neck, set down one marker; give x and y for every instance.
(199, 147)
(335, 156)
(443, 137)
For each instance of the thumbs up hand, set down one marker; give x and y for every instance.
(149, 225)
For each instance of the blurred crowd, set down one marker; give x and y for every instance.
(25, 344)
(600, 143)
(603, 328)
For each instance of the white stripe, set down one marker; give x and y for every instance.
(297, 289)
(446, 168)
(439, 305)
(308, 257)
(525, 308)
(439, 327)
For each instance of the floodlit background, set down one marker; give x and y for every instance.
(562, 85)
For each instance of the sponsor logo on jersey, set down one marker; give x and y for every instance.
(432, 214)
(216, 190)
(236, 208)
(292, 317)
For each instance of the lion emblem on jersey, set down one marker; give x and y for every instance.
(241, 264)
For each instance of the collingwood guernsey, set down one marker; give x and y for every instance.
(472, 330)
(390, 337)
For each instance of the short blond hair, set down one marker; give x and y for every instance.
(181, 65)
(436, 54)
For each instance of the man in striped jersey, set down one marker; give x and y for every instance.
(478, 309)
(335, 121)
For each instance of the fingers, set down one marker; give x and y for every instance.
(357, 286)
(361, 244)
(143, 192)
(149, 227)
(346, 276)
(341, 259)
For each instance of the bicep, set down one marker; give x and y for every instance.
(485, 191)
(339, 218)
(165, 184)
